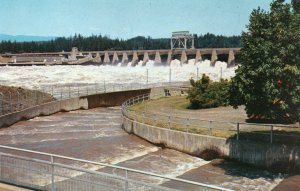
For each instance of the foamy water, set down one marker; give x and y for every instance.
(37, 76)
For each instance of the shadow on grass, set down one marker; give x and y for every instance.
(278, 137)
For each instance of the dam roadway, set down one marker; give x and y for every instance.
(96, 135)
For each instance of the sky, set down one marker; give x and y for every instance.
(125, 18)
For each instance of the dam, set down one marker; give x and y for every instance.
(127, 56)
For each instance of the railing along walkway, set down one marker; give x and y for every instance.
(269, 133)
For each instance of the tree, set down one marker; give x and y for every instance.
(207, 94)
(296, 6)
(268, 82)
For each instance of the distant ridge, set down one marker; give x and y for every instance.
(25, 38)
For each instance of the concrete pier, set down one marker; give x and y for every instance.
(231, 58)
(198, 56)
(106, 58)
(157, 59)
(169, 59)
(183, 58)
(135, 59)
(145, 58)
(124, 58)
(115, 59)
(214, 57)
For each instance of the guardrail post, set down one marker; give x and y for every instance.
(78, 90)
(1, 102)
(52, 90)
(60, 94)
(18, 102)
(10, 101)
(187, 124)
(210, 128)
(147, 74)
(87, 91)
(169, 121)
(0, 167)
(104, 86)
(134, 116)
(126, 180)
(24, 100)
(52, 174)
(36, 98)
(237, 131)
(42, 95)
(69, 91)
(271, 134)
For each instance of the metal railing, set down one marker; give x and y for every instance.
(44, 171)
(269, 133)
(20, 99)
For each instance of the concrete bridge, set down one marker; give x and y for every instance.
(134, 56)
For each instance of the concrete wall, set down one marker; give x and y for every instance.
(84, 102)
(277, 157)
(113, 98)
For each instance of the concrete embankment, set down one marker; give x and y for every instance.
(83, 102)
(277, 157)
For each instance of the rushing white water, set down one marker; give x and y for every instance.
(36, 76)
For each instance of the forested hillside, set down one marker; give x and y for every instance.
(99, 42)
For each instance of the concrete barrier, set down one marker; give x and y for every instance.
(113, 98)
(84, 102)
(277, 157)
